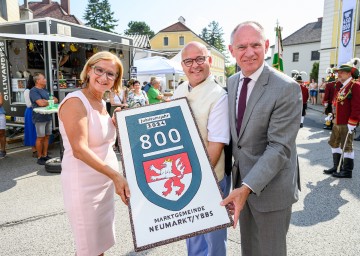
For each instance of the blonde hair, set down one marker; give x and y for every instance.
(104, 55)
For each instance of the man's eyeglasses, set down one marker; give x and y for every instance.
(199, 60)
(100, 71)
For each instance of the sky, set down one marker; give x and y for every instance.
(159, 14)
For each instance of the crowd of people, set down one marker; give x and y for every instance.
(135, 95)
(256, 120)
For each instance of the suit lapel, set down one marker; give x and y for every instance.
(232, 99)
(255, 95)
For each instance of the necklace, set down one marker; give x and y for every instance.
(341, 95)
(93, 95)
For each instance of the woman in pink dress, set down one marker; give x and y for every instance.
(90, 170)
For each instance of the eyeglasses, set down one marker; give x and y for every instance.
(199, 60)
(100, 71)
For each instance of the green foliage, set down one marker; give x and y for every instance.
(315, 72)
(213, 35)
(139, 28)
(98, 15)
(230, 70)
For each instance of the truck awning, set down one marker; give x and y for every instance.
(52, 38)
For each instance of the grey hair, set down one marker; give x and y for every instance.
(37, 76)
(155, 81)
(253, 23)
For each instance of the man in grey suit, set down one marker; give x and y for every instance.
(265, 170)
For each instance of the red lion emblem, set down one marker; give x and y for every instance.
(173, 175)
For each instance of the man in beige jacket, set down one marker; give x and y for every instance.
(208, 101)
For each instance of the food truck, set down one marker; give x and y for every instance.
(56, 48)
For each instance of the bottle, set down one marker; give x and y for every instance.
(51, 101)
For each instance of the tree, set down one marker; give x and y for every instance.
(213, 35)
(315, 72)
(139, 28)
(230, 70)
(98, 15)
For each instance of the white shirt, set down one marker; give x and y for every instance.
(218, 124)
(254, 77)
(118, 97)
(27, 98)
(347, 81)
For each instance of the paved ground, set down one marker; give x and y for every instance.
(325, 221)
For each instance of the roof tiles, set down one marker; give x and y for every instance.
(309, 33)
(53, 10)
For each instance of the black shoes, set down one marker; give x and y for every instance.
(41, 161)
(336, 161)
(357, 138)
(301, 125)
(47, 157)
(2, 154)
(348, 166)
(342, 174)
(330, 171)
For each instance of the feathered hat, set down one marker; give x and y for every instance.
(331, 75)
(297, 75)
(350, 67)
(355, 62)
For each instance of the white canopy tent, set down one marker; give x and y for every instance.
(158, 66)
(50, 38)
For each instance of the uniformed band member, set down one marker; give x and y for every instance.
(329, 96)
(346, 109)
(305, 97)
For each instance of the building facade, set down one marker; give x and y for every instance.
(331, 35)
(301, 49)
(9, 10)
(173, 38)
(323, 36)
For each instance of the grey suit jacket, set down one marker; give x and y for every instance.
(265, 150)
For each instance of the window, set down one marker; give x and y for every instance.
(3, 13)
(295, 57)
(166, 41)
(315, 55)
(181, 40)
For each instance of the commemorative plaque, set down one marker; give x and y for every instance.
(174, 192)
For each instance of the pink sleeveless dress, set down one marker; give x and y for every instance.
(88, 194)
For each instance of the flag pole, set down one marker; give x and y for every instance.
(355, 28)
(277, 58)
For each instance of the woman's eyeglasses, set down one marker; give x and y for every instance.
(100, 71)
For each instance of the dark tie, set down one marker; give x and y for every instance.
(242, 102)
